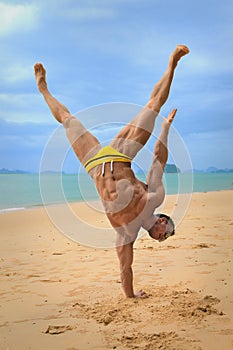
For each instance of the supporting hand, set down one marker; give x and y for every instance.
(141, 295)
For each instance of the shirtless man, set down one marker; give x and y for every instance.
(129, 203)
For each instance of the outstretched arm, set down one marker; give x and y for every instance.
(154, 177)
(125, 256)
(156, 192)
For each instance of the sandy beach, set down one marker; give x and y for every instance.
(59, 294)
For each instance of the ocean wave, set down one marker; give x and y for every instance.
(7, 210)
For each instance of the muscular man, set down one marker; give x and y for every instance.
(129, 203)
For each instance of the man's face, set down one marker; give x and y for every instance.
(160, 227)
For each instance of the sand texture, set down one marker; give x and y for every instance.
(58, 294)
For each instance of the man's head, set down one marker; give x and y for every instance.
(163, 228)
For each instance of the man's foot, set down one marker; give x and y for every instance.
(40, 75)
(180, 51)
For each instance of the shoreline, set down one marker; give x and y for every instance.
(21, 191)
(38, 206)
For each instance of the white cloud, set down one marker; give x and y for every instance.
(14, 18)
(210, 62)
(21, 108)
(93, 13)
(16, 73)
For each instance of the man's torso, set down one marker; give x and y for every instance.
(123, 195)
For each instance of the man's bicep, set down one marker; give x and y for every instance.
(154, 177)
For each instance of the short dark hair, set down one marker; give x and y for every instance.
(160, 215)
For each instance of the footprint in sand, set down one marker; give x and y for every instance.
(169, 247)
(49, 281)
(163, 340)
(58, 329)
(199, 227)
(204, 272)
(203, 245)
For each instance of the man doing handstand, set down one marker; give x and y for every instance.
(129, 203)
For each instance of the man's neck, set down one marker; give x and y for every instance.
(149, 222)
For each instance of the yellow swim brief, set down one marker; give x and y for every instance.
(107, 154)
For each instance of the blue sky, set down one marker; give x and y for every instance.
(102, 51)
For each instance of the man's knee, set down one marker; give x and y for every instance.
(74, 129)
(154, 104)
(67, 120)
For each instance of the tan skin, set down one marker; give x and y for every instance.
(129, 203)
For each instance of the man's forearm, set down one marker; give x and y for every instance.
(127, 282)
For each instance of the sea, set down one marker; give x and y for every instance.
(22, 191)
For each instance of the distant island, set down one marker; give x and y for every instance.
(216, 170)
(17, 171)
(14, 171)
(213, 170)
(170, 169)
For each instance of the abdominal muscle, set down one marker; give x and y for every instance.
(122, 194)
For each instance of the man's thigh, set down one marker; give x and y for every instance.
(135, 134)
(84, 144)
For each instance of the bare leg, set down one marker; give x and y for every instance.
(59, 111)
(85, 145)
(135, 135)
(162, 88)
